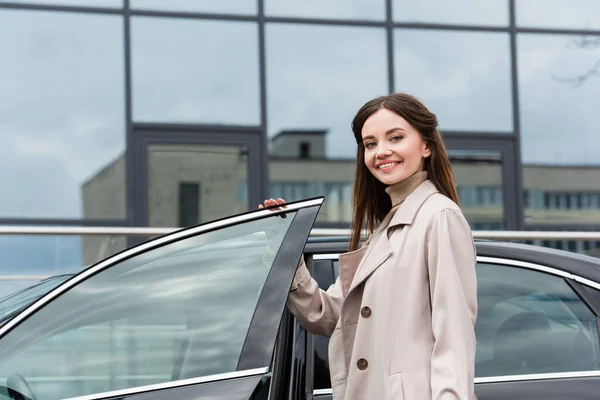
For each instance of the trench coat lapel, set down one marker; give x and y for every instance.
(380, 249)
(408, 210)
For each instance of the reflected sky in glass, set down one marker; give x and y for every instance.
(559, 119)
(195, 71)
(79, 3)
(559, 14)
(333, 9)
(61, 108)
(323, 79)
(459, 12)
(209, 6)
(462, 77)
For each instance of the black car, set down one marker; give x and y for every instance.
(12, 304)
(200, 313)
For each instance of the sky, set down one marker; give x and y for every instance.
(62, 97)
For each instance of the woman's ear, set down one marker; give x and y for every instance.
(426, 150)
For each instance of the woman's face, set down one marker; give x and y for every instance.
(394, 150)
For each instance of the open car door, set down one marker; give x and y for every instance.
(193, 314)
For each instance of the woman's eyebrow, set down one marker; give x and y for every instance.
(392, 130)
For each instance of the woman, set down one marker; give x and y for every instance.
(401, 315)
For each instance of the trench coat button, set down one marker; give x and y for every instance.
(365, 312)
(362, 364)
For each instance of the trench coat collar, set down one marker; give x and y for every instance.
(379, 248)
(406, 213)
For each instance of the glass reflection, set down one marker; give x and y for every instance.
(61, 113)
(335, 9)
(478, 176)
(175, 81)
(559, 14)
(126, 326)
(459, 12)
(314, 90)
(330, 80)
(207, 6)
(463, 77)
(79, 3)
(192, 183)
(560, 176)
(522, 314)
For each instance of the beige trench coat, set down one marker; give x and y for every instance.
(401, 315)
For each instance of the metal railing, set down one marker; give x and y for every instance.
(112, 232)
(316, 232)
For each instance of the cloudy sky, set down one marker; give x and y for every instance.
(62, 96)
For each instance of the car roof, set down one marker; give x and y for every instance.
(578, 264)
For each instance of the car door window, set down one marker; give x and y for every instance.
(181, 310)
(531, 322)
(528, 322)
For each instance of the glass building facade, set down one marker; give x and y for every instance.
(172, 113)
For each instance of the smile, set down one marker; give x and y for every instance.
(388, 166)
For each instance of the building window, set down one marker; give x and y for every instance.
(304, 150)
(189, 204)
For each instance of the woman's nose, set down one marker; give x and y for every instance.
(382, 153)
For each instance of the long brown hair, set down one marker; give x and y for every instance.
(369, 200)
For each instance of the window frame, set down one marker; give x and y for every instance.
(582, 287)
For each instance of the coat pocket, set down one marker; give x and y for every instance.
(336, 357)
(395, 387)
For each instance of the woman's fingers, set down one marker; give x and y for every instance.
(272, 202)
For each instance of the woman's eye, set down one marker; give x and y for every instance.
(395, 138)
(370, 145)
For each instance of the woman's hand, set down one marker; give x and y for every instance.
(273, 236)
(272, 202)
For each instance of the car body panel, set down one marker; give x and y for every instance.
(582, 388)
(240, 388)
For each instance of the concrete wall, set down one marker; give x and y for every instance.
(288, 145)
(216, 168)
(104, 197)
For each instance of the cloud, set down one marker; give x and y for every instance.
(61, 108)
(559, 122)
(336, 9)
(208, 6)
(559, 14)
(323, 79)
(195, 71)
(467, 12)
(463, 77)
(88, 3)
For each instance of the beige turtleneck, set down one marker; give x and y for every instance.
(400, 191)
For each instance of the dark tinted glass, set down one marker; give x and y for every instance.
(530, 322)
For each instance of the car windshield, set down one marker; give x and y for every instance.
(15, 302)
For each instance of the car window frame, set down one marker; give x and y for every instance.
(570, 278)
(255, 356)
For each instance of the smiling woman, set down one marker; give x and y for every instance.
(421, 318)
